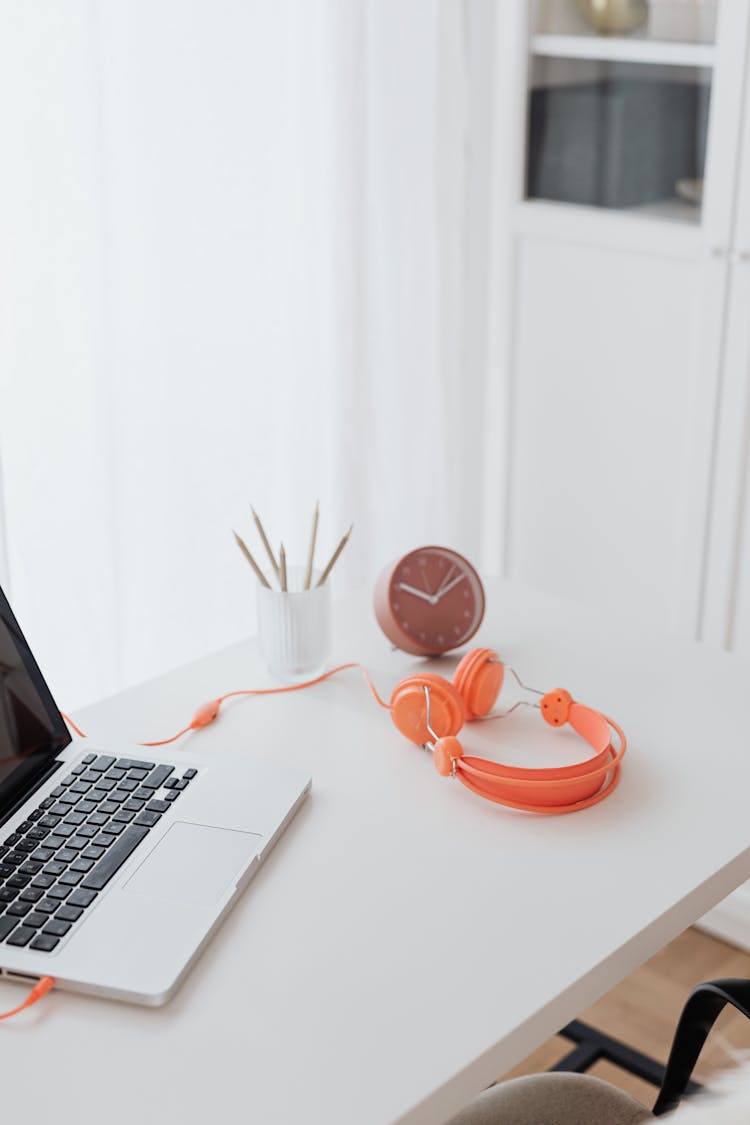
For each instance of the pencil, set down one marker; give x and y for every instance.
(334, 557)
(311, 554)
(258, 572)
(265, 542)
(282, 565)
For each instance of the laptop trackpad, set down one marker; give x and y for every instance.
(194, 863)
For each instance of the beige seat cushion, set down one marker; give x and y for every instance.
(553, 1099)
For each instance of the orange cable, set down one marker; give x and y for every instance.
(40, 989)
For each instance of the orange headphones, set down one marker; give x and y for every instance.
(430, 711)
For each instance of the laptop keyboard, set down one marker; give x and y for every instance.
(53, 866)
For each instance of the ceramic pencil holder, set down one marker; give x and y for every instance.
(294, 628)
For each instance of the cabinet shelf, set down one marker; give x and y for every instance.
(621, 49)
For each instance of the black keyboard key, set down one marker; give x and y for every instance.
(114, 828)
(105, 784)
(106, 839)
(81, 864)
(58, 792)
(30, 868)
(93, 852)
(23, 828)
(69, 913)
(133, 805)
(56, 928)
(55, 841)
(44, 943)
(31, 894)
(46, 803)
(12, 840)
(89, 759)
(58, 892)
(108, 807)
(43, 881)
(180, 784)
(41, 855)
(7, 894)
(81, 897)
(35, 919)
(79, 770)
(115, 857)
(172, 795)
(123, 817)
(189, 774)
(6, 925)
(103, 762)
(144, 794)
(22, 935)
(49, 820)
(69, 798)
(87, 831)
(128, 786)
(116, 774)
(148, 818)
(35, 814)
(78, 843)
(98, 818)
(170, 783)
(14, 858)
(158, 777)
(81, 787)
(19, 881)
(66, 855)
(134, 764)
(26, 846)
(64, 830)
(48, 905)
(60, 810)
(18, 909)
(6, 869)
(157, 806)
(91, 776)
(54, 868)
(69, 780)
(86, 806)
(74, 819)
(70, 879)
(139, 775)
(118, 796)
(37, 833)
(3, 849)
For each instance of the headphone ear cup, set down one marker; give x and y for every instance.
(478, 680)
(409, 708)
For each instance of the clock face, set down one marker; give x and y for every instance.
(435, 601)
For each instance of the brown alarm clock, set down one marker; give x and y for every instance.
(429, 601)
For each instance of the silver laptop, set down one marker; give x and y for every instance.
(115, 871)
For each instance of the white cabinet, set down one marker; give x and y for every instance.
(619, 393)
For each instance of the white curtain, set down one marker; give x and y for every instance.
(242, 259)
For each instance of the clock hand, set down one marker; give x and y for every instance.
(446, 580)
(445, 589)
(417, 593)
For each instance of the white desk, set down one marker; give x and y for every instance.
(407, 942)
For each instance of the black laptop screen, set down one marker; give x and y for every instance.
(32, 730)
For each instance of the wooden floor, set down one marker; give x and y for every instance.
(643, 1011)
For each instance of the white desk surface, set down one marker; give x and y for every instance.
(407, 942)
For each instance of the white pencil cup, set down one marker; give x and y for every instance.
(294, 628)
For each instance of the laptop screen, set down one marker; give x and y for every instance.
(32, 730)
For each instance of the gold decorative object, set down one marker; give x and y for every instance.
(614, 16)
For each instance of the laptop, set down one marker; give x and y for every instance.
(115, 871)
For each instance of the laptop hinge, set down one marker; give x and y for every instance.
(21, 798)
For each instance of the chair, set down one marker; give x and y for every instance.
(566, 1096)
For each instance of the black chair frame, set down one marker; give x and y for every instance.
(702, 1008)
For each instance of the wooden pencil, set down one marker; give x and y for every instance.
(334, 557)
(264, 541)
(282, 567)
(258, 572)
(311, 553)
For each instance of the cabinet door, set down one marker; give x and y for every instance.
(613, 390)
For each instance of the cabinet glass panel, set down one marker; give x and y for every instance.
(618, 134)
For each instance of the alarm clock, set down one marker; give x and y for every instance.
(429, 601)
